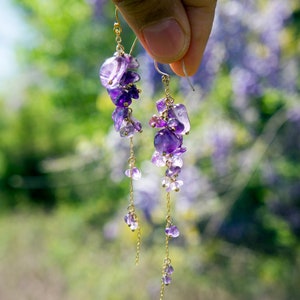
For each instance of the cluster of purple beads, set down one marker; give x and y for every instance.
(173, 122)
(167, 272)
(118, 75)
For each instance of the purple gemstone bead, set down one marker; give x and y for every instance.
(166, 183)
(169, 269)
(158, 159)
(133, 92)
(118, 116)
(112, 71)
(172, 231)
(165, 141)
(179, 112)
(161, 105)
(129, 77)
(157, 122)
(166, 279)
(176, 161)
(136, 124)
(134, 173)
(175, 125)
(179, 151)
(119, 97)
(131, 61)
(173, 171)
(131, 221)
(127, 131)
(175, 186)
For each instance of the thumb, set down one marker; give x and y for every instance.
(161, 26)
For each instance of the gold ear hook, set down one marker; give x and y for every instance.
(187, 76)
(117, 15)
(159, 71)
(133, 45)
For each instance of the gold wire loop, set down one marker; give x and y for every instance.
(118, 30)
(165, 78)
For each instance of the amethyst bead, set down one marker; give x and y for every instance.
(179, 112)
(127, 131)
(131, 220)
(131, 61)
(118, 116)
(134, 173)
(158, 122)
(119, 97)
(112, 71)
(166, 142)
(166, 279)
(173, 171)
(161, 105)
(172, 231)
(129, 77)
(158, 159)
(175, 126)
(169, 269)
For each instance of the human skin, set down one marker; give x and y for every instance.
(171, 31)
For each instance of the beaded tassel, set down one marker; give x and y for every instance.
(118, 75)
(173, 122)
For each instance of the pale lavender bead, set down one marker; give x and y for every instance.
(167, 279)
(176, 161)
(161, 105)
(172, 231)
(131, 221)
(127, 131)
(175, 186)
(169, 269)
(134, 173)
(179, 112)
(112, 71)
(173, 171)
(158, 159)
(166, 182)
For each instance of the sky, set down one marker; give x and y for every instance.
(12, 32)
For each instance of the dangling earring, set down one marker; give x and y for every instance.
(173, 123)
(118, 75)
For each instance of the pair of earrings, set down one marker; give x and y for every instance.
(118, 74)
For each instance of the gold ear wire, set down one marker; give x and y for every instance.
(117, 15)
(133, 45)
(187, 76)
(159, 71)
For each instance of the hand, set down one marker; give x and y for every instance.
(171, 30)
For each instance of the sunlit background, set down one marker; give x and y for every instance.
(63, 193)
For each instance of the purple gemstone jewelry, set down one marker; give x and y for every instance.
(172, 123)
(118, 75)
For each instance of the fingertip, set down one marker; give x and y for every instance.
(190, 67)
(166, 40)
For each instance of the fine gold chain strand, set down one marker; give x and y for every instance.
(167, 259)
(131, 208)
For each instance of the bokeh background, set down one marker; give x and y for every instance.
(63, 194)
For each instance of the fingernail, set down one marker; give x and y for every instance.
(165, 40)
